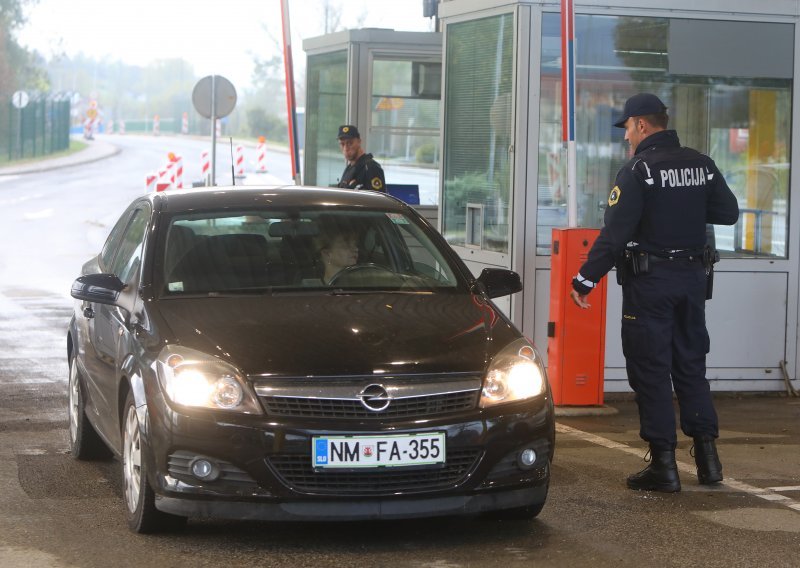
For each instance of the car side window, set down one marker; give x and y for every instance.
(112, 242)
(128, 257)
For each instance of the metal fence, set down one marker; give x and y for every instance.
(41, 127)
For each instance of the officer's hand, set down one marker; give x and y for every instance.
(580, 300)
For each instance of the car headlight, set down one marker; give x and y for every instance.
(516, 373)
(193, 378)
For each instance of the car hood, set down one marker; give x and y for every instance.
(301, 335)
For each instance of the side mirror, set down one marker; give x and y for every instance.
(499, 282)
(100, 288)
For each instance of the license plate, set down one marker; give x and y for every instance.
(378, 451)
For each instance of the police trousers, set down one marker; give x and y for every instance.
(665, 342)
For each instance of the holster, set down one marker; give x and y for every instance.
(710, 258)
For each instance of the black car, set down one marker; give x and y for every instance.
(243, 368)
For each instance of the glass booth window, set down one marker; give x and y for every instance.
(404, 122)
(726, 98)
(326, 109)
(477, 133)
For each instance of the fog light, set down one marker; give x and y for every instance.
(527, 457)
(204, 469)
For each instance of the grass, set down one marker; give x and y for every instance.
(74, 146)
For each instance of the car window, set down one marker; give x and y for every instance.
(301, 249)
(112, 242)
(128, 257)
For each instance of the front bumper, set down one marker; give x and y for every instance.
(266, 470)
(354, 510)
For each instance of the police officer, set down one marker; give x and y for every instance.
(361, 171)
(655, 231)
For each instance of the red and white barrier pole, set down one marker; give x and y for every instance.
(110, 127)
(239, 162)
(122, 127)
(185, 123)
(163, 182)
(150, 182)
(156, 125)
(219, 128)
(261, 153)
(205, 168)
(176, 164)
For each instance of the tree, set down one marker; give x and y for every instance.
(18, 68)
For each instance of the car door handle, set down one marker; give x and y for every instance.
(88, 312)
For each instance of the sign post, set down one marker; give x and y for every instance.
(214, 97)
(20, 100)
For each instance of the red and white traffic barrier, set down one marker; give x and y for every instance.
(150, 182)
(239, 162)
(176, 164)
(110, 127)
(122, 127)
(219, 128)
(185, 123)
(205, 168)
(164, 179)
(261, 154)
(156, 125)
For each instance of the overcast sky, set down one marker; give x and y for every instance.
(216, 37)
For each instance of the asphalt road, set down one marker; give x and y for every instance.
(57, 512)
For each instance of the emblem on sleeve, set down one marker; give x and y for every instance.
(613, 197)
(376, 183)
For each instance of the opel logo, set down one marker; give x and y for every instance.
(374, 398)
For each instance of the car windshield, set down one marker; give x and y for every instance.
(270, 251)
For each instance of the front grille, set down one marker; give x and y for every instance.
(296, 472)
(399, 408)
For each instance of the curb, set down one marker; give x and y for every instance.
(56, 163)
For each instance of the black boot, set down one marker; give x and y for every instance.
(660, 475)
(709, 468)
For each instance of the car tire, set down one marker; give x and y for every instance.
(139, 497)
(84, 442)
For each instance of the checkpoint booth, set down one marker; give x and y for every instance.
(387, 83)
(503, 163)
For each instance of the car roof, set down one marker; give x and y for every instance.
(179, 200)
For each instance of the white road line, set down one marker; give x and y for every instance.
(785, 488)
(768, 494)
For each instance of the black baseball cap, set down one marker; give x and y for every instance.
(640, 105)
(348, 131)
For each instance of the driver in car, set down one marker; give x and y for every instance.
(337, 252)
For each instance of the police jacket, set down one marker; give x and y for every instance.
(365, 173)
(661, 201)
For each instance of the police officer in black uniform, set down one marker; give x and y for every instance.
(655, 232)
(361, 171)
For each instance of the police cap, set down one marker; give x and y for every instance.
(348, 131)
(642, 104)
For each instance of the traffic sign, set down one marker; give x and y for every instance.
(20, 99)
(217, 89)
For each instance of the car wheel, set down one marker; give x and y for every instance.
(84, 442)
(143, 517)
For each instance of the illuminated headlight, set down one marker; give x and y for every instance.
(193, 378)
(516, 373)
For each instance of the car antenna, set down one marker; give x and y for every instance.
(233, 176)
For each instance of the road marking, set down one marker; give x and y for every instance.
(767, 494)
(43, 214)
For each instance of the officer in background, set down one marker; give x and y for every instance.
(361, 171)
(655, 232)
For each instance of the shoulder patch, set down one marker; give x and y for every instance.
(376, 183)
(613, 197)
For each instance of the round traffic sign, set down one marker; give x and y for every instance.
(224, 96)
(20, 99)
